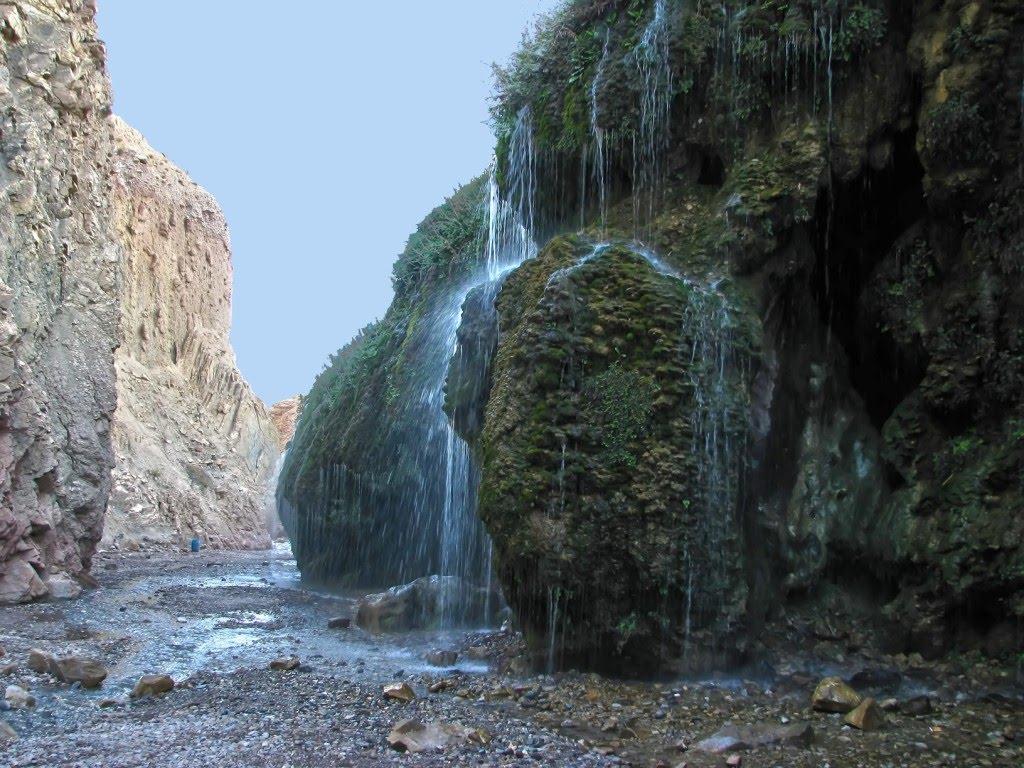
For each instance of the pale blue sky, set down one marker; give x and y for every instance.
(326, 129)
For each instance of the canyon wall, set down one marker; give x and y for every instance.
(58, 298)
(109, 252)
(284, 416)
(195, 447)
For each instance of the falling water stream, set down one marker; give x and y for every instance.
(653, 61)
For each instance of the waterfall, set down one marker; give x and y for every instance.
(274, 527)
(599, 161)
(653, 62)
(509, 242)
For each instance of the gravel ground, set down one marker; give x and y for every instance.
(215, 621)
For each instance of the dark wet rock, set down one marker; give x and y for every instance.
(734, 738)
(834, 695)
(152, 685)
(339, 622)
(424, 604)
(876, 679)
(917, 706)
(285, 664)
(867, 716)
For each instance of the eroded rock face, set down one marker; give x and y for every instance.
(284, 415)
(195, 447)
(106, 245)
(58, 293)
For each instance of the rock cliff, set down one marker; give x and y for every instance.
(106, 246)
(284, 415)
(777, 369)
(58, 298)
(195, 447)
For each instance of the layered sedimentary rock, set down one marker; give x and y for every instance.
(195, 447)
(58, 294)
(105, 245)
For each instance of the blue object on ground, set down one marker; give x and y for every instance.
(195, 545)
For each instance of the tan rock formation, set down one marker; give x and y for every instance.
(285, 415)
(58, 293)
(196, 449)
(104, 243)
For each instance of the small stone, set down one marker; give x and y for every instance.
(8, 669)
(833, 695)
(439, 686)
(476, 652)
(867, 716)
(63, 587)
(285, 664)
(889, 705)
(414, 737)
(152, 685)
(733, 738)
(89, 673)
(19, 698)
(734, 760)
(399, 692)
(442, 658)
(339, 622)
(41, 662)
(108, 703)
(7, 733)
(917, 706)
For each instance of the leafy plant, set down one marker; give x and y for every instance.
(619, 403)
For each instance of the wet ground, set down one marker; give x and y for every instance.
(214, 621)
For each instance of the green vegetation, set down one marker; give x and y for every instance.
(619, 402)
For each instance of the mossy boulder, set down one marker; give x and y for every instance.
(594, 485)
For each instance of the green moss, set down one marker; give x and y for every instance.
(956, 132)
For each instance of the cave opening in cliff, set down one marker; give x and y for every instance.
(859, 222)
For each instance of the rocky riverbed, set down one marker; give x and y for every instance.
(215, 622)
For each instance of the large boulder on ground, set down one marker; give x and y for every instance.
(611, 447)
(430, 602)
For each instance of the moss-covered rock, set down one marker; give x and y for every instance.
(361, 492)
(595, 485)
